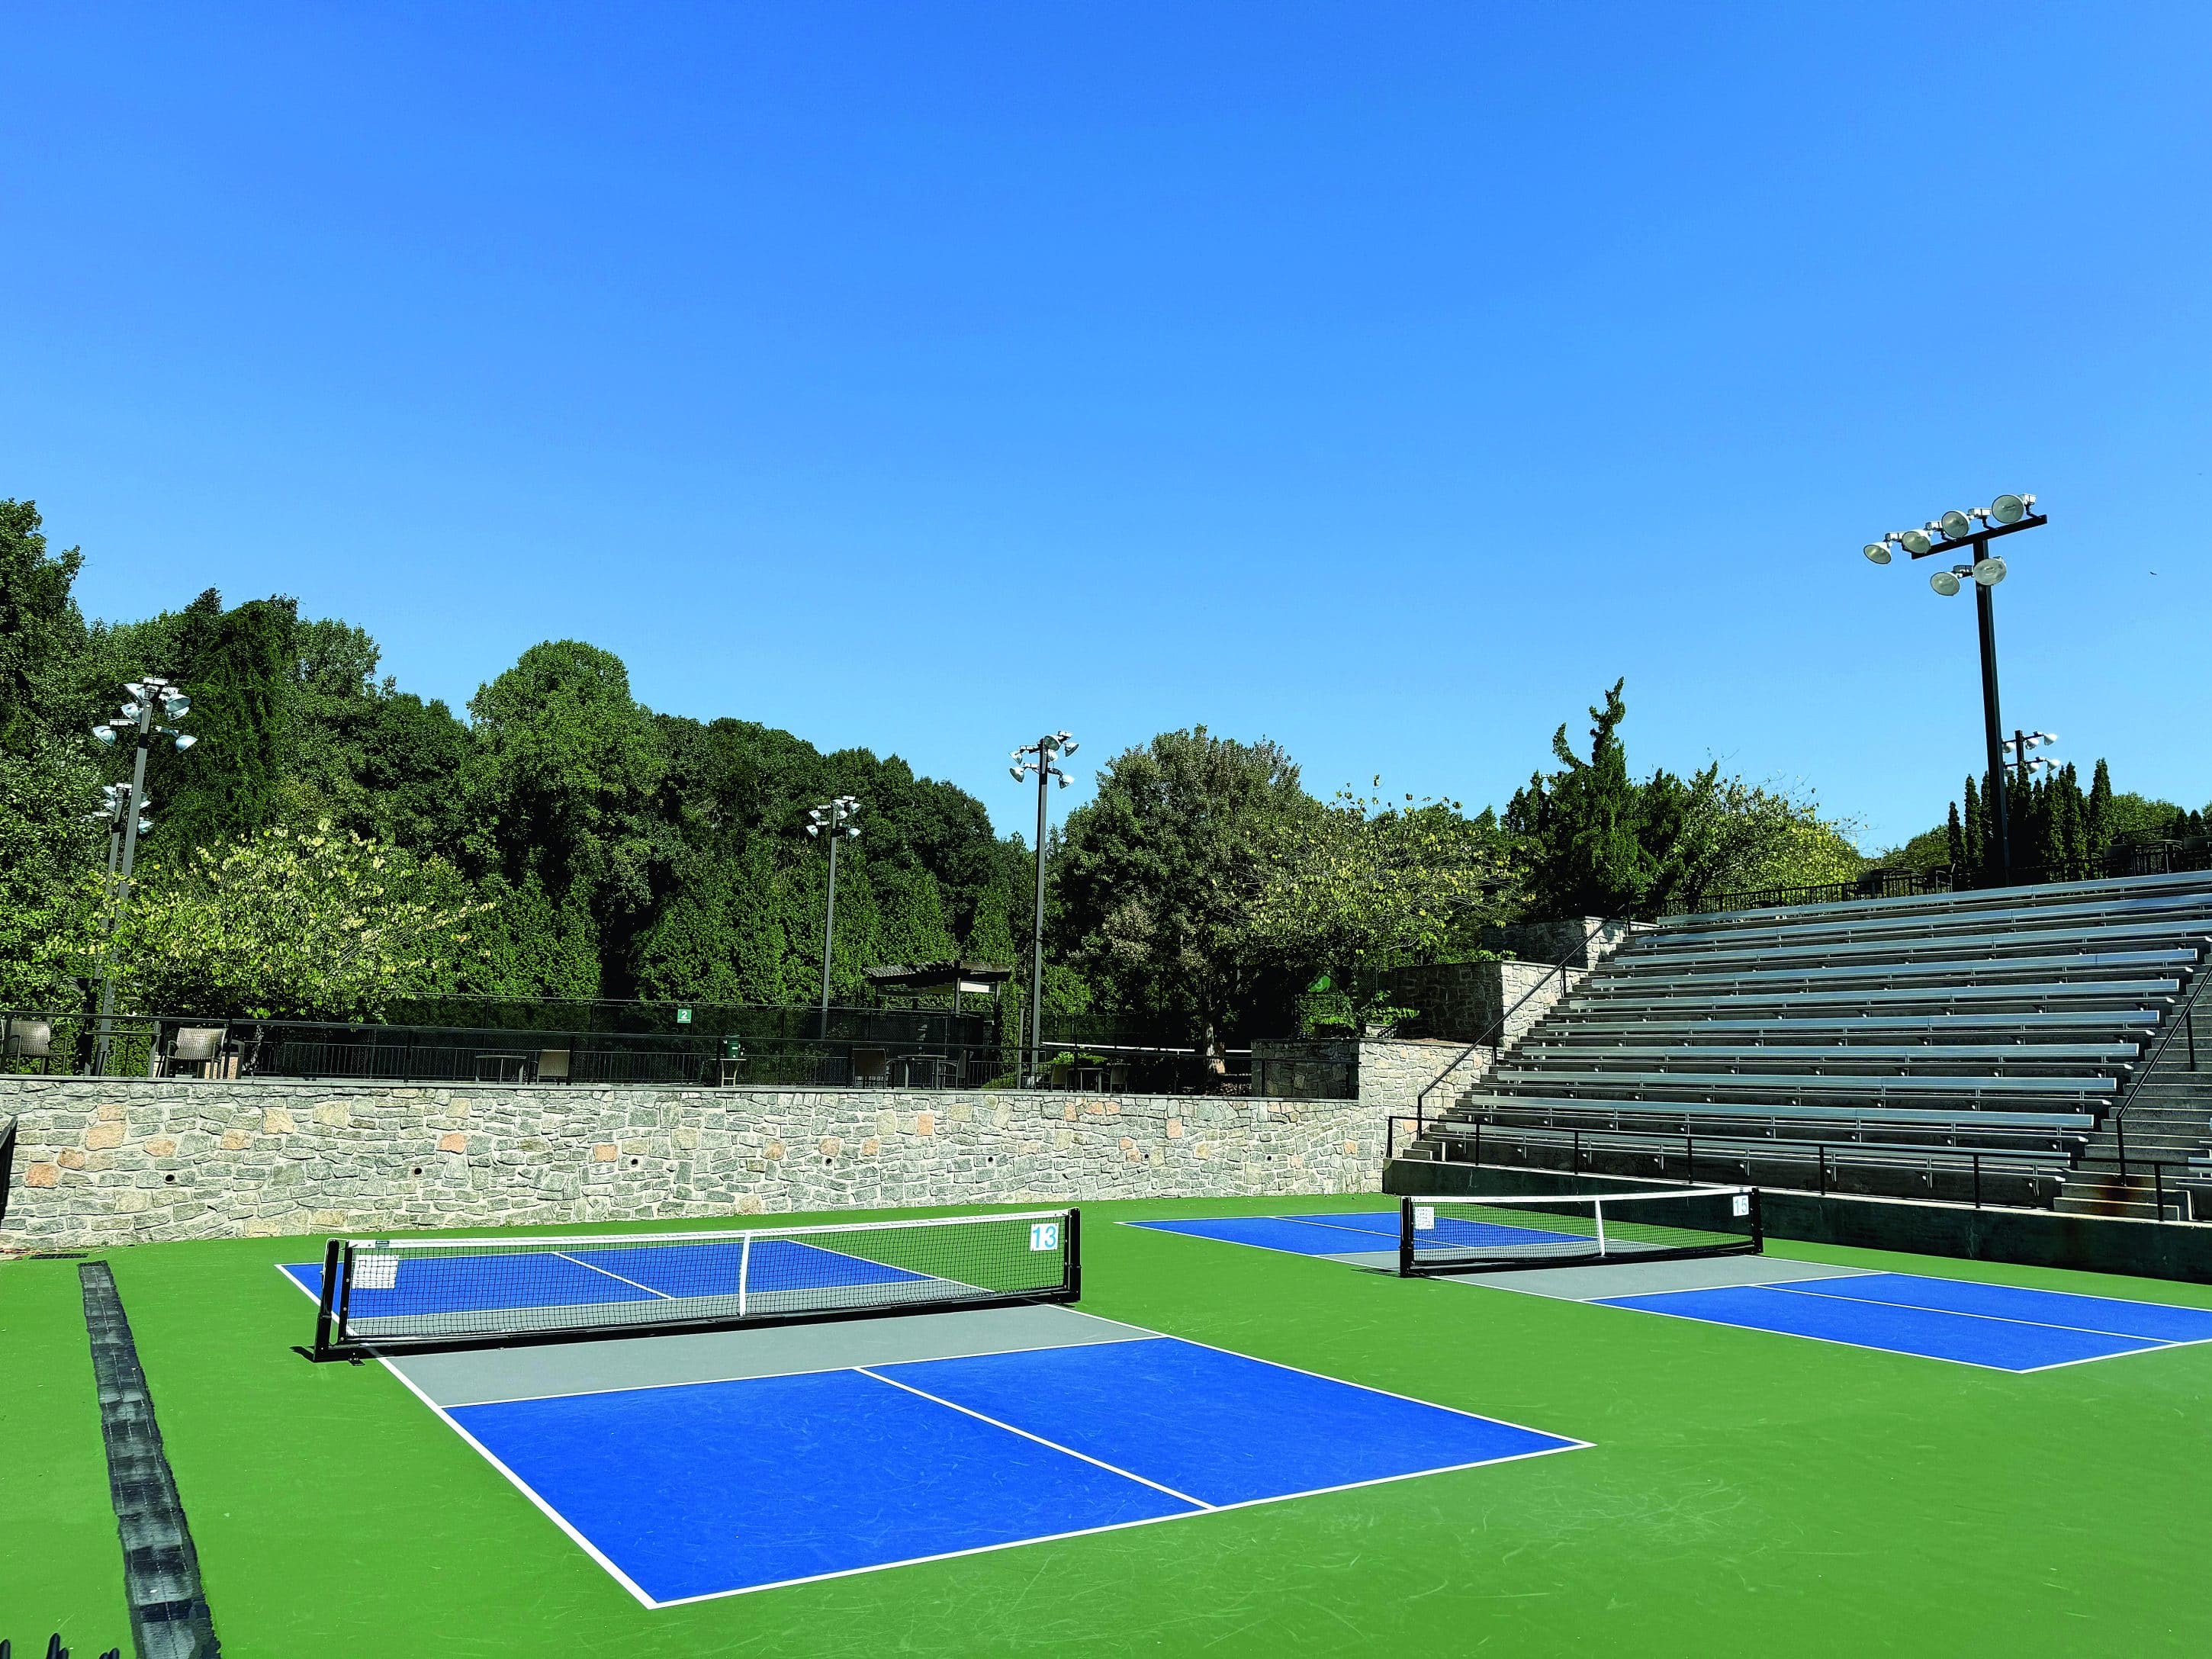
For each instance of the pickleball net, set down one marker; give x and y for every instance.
(398, 1293)
(1476, 1235)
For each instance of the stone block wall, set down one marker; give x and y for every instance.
(118, 1160)
(1463, 1001)
(1394, 1071)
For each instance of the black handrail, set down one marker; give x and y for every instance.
(2185, 1018)
(1829, 1157)
(1497, 1028)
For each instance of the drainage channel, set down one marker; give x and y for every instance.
(169, 1615)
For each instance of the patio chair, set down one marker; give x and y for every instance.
(553, 1064)
(871, 1067)
(28, 1039)
(199, 1046)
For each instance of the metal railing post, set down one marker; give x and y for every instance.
(1824, 1169)
(2158, 1185)
(1977, 1180)
(2120, 1128)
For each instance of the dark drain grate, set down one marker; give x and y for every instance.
(161, 1570)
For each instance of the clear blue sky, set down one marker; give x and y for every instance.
(1385, 380)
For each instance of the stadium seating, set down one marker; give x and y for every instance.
(1945, 1045)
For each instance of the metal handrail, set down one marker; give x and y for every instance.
(2185, 1018)
(1498, 1027)
(1826, 1156)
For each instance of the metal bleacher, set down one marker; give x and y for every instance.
(1952, 1045)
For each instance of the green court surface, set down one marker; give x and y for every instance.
(1745, 1491)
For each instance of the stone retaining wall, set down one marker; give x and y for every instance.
(118, 1160)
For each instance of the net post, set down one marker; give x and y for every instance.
(1071, 1243)
(1597, 1210)
(1758, 1224)
(1405, 1237)
(745, 1272)
(325, 1304)
(344, 1252)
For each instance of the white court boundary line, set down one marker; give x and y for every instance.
(563, 1255)
(1137, 1334)
(1247, 1244)
(2150, 1345)
(1566, 1443)
(1054, 1445)
(2008, 1319)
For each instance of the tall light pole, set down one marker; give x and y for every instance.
(127, 814)
(833, 819)
(1976, 528)
(1039, 757)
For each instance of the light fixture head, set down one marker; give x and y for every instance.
(1945, 582)
(145, 825)
(1016, 772)
(2010, 509)
(1956, 525)
(1915, 542)
(131, 711)
(2042, 737)
(1989, 571)
(1067, 748)
(185, 739)
(104, 733)
(1062, 776)
(177, 704)
(1876, 552)
(134, 689)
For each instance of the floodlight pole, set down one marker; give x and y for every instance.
(1036, 932)
(153, 692)
(1992, 723)
(834, 826)
(1046, 750)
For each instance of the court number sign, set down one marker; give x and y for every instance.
(1742, 1206)
(1044, 1236)
(1424, 1218)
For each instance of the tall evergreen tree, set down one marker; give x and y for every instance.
(230, 784)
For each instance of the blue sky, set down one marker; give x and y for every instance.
(1386, 379)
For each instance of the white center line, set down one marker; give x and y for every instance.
(1056, 1445)
(632, 1283)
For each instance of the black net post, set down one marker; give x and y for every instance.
(326, 1309)
(1404, 1238)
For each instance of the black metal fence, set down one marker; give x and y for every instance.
(2156, 858)
(910, 1049)
(2023, 1177)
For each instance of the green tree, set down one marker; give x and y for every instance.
(48, 781)
(1594, 841)
(231, 783)
(315, 925)
(1156, 880)
(1365, 884)
(565, 770)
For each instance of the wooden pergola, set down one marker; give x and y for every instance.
(957, 977)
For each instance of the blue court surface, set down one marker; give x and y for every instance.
(2004, 1327)
(553, 1278)
(713, 1464)
(1999, 1327)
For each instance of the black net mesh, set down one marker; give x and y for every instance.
(392, 1293)
(1458, 1235)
